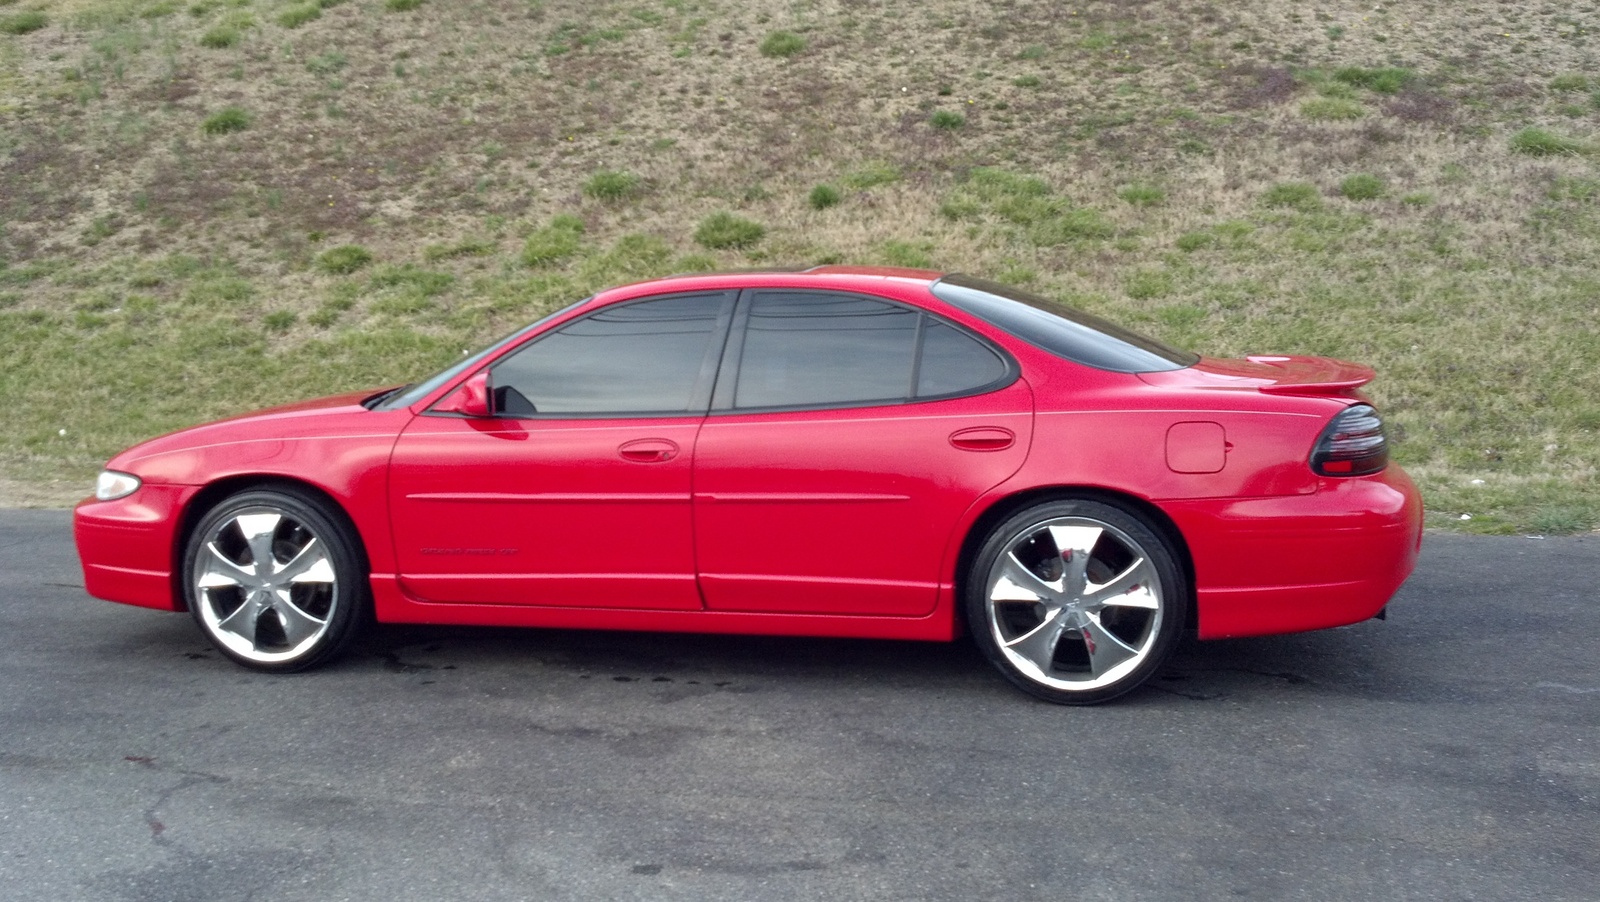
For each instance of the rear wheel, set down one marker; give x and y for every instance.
(1076, 601)
(274, 579)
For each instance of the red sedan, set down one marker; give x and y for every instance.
(837, 452)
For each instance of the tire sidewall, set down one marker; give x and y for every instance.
(1174, 593)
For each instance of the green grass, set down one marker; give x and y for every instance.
(782, 44)
(1362, 186)
(226, 120)
(824, 196)
(296, 16)
(613, 185)
(401, 6)
(344, 259)
(947, 120)
(1302, 196)
(724, 230)
(1382, 80)
(1538, 142)
(220, 37)
(23, 22)
(553, 243)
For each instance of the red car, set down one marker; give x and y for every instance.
(881, 453)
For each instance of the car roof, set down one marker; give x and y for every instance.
(838, 278)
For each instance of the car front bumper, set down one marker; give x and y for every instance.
(126, 546)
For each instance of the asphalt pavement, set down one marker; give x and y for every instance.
(1450, 752)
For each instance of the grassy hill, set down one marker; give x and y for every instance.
(213, 205)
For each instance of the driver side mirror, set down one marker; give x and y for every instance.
(472, 399)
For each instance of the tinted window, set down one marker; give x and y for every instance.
(954, 362)
(1061, 330)
(643, 357)
(817, 349)
(411, 394)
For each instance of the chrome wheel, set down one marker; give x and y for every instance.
(271, 580)
(1076, 601)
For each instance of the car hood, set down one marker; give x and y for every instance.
(1275, 374)
(336, 415)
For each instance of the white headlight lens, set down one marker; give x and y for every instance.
(113, 485)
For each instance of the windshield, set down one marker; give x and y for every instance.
(411, 395)
(1063, 331)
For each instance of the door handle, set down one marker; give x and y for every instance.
(983, 438)
(648, 450)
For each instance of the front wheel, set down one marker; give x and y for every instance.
(275, 580)
(1076, 601)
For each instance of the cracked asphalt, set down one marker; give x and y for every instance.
(1451, 752)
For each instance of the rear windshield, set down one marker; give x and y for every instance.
(1063, 331)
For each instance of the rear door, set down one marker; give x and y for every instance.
(848, 436)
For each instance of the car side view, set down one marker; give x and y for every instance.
(851, 452)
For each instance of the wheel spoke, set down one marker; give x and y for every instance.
(242, 621)
(1075, 544)
(1038, 645)
(1017, 582)
(1132, 588)
(258, 530)
(218, 572)
(310, 565)
(1105, 649)
(298, 626)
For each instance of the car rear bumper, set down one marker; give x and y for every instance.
(1303, 562)
(126, 546)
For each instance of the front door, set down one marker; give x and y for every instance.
(576, 492)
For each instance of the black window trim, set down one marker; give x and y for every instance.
(727, 380)
(700, 398)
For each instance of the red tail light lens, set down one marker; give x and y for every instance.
(1352, 445)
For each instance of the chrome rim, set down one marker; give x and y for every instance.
(265, 585)
(1074, 603)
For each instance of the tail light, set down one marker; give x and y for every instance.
(1352, 445)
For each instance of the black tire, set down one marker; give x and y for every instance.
(299, 610)
(1080, 624)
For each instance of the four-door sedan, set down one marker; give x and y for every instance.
(879, 453)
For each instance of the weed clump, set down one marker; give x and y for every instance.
(1537, 142)
(23, 23)
(220, 37)
(401, 6)
(1570, 82)
(555, 242)
(1361, 186)
(228, 119)
(723, 230)
(947, 120)
(613, 185)
(777, 44)
(1142, 195)
(824, 196)
(344, 259)
(296, 16)
(1387, 80)
(1026, 81)
(1302, 196)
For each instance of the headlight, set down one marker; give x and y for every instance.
(113, 485)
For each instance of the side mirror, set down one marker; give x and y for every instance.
(471, 399)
